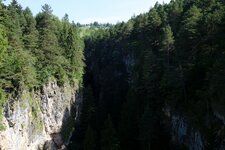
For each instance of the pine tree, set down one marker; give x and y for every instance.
(175, 14)
(64, 32)
(191, 23)
(153, 29)
(167, 42)
(18, 8)
(18, 69)
(74, 53)
(89, 139)
(109, 140)
(3, 45)
(50, 54)
(48, 43)
(147, 130)
(154, 19)
(13, 27)
(30, 33)
(128, 124)
(88, 109)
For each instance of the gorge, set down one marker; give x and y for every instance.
(155, 82)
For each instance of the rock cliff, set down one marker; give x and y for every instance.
(42, 119)
(185, 135)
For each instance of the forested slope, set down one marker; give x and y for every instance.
(35, 50)
(41, 72)
(157, 81)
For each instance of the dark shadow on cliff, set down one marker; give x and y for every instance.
(71, 124)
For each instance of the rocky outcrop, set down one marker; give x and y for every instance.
(182, 133)
(42, 119)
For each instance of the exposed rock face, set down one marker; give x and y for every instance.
(40, 120)
(220, 132)
(182, 133)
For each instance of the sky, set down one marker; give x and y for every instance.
(87, 11)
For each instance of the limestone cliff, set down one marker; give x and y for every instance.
(41, 119)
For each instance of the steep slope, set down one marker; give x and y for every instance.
(155, 82)
(159, 78)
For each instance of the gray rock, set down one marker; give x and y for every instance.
(35, 120)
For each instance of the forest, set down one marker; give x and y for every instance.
(34, 50)
(170, 60)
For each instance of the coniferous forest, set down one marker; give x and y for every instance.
(136, 76)
(36, 50)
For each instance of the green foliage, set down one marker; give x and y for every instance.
(61, 52)
(74, 53)
(2, 103)
(87, 31)
(191, 22)
(61, 76)
(146, 130)
(11, 20)
(19, 70)
(3, 46)
(168, 39)
(32, 53)
(171, 56)
(48, 42)
(154, 20)
(30, 33)
(88, 109)
(109, 140)
(89, 139)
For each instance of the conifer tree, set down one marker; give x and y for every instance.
(74, 52)
(64, 32)
(88, 109)
(191, 22)
(13, 27)
(48, 43)
(89, 139)
(147, 129)
(50, 54)
(30, 33)
(167, 42)
(3, 45)
(109, 140)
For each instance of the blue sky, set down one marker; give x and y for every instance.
(86, 11)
